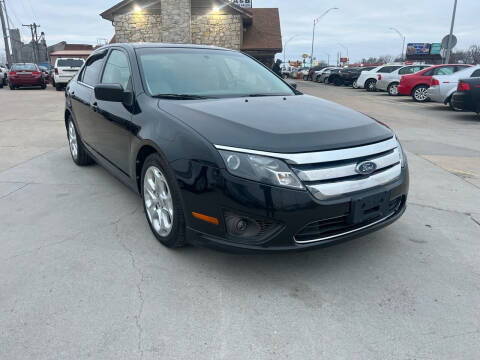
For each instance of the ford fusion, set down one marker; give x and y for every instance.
(226, 154)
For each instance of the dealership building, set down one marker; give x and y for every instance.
(229, 24)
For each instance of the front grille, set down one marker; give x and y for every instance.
(327, 229)
(334, 173)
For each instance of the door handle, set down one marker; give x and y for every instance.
(72, 93)
(95, 106)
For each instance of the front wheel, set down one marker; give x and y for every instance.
(355, 85)
(77, 150)
(419, 94)
(453, 107)
(161, 202)
(393, 89)
(370, 85)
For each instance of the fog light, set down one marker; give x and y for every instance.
(241, 226)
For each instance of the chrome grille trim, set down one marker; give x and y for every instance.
(322, 156)
(328, 190)
(341, 171)
(345, 232)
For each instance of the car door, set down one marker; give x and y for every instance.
(114, 127)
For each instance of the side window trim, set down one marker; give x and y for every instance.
(93, 57)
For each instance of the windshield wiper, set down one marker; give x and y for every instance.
(260, 95)
(180, 96)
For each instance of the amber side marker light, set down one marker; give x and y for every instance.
(209, 219)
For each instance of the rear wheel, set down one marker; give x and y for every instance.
(419, 94)
(355, 85)
(370, 85)
(77, 150)
(161, 202)
(393, 89)
(453, 107)
(338, 81)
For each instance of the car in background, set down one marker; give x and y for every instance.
(25, 74)
(3, 75)
(368, 79)
(313, 71)
(46, 73)
(389, 82)
(324, 76)
(319, 72)
(467, 96)
(442, 87)
(348, 76)
(416, 85)
(304, 71)
(65, 70)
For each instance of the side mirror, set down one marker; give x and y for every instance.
(292, 84)
(110, 92)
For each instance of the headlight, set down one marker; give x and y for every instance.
(260, 168)
(401, 154)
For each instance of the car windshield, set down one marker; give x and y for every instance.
(207, 73)
(24, 67)
(70, 62)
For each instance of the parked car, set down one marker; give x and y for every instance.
(324, 75)
(368, 79)
(46, 73)
(25, 74)
(348, 76)
(389, 82)
(210, 169)
(416, 85)
(65, 70)
(467, 96)
(3, 75)
(304, 71)
(442, 87)
(313, 70)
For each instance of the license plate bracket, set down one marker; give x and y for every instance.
(368, 207)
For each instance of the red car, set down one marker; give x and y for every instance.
(417, 84)
(25, 74)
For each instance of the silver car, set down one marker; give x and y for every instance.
(442, 87)
(389, 82)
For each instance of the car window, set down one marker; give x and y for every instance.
(24, 67)
(117, 69)
(223, 73)
(446, 70)
(69, 63)
(388, 69)
(91, 71)
(476, 73)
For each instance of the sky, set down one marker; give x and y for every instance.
(362, 26)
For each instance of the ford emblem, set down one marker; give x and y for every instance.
(366, 167)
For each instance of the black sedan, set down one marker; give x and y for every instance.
(232, 157)
(467, 96)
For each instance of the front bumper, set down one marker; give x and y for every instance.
(214, 192)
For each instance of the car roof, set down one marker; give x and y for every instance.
(162, 45)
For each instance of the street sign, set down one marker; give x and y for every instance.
(344, 60)
(242, 3)
(445, 41)
(435, 49)
(305, 56)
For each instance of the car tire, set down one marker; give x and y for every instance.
(58, 87)
(450, 103)
(305, 77)
(43, 87)
(392, 89)
(77, 149)
(355, 84)
(337, 81)
(370, 85)
(161, 199)
(419, 93)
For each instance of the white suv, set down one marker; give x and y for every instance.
(65, 70)
(3, 75)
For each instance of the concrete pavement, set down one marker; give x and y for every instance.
(82, 277)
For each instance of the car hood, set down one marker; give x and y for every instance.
(289, 124)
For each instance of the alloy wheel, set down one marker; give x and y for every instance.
(421, 94)
(72, 139)
(393, 90)
(158, 201)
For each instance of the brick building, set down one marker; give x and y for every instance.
(209, 22)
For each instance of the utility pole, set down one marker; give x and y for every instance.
(449, 48)
(315, 22)
(5, 36)
(33, 30)
(403, 44)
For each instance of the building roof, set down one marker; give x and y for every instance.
(264, 33)
(71, 53)
(110, 13)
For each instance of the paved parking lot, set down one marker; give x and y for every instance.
(81, 275)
